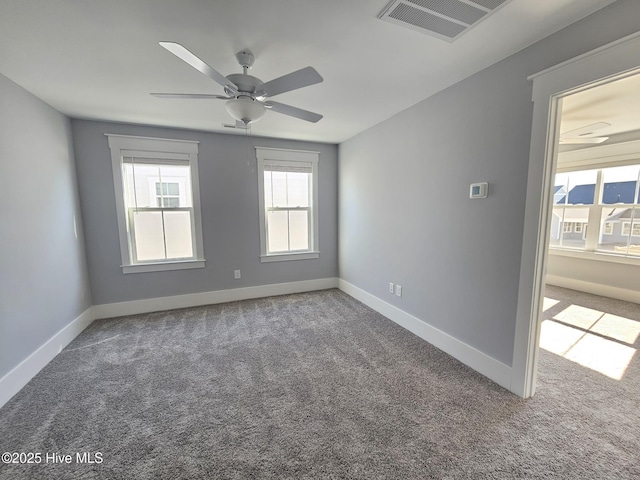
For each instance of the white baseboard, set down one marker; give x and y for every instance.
(594, 288)
(481, 362)
(17, 378)
(111, 310)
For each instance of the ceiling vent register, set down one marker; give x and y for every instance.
(444, 19)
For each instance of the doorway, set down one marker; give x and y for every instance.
(594, 242)
(609, 64)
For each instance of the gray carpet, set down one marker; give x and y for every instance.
(313, 385)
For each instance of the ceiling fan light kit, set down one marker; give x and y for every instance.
(246, 94)
(245, 109)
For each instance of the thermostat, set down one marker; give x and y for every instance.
(479, 190)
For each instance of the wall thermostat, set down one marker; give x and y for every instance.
(479, 190)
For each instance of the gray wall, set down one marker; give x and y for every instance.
(606, 274)
(405, 215)
(43, 275)
(229, 198)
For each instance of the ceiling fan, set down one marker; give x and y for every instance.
(246, 95)
(583, 135)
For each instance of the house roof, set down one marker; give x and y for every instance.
(614, 192)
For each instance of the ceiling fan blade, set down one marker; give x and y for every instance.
(582, 140)
(586, 130)
(198, 96)
(293, 111)
(292, 81)
(188, 57)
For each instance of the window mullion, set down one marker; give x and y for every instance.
(593, 228)
(595, 216)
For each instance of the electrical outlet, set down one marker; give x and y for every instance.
(399, 290)
(390, 287)
(236, 274)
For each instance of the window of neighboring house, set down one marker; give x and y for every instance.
(168, 194)
(608, 199)
(288, 198)
(158, 203)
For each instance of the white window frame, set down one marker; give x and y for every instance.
(275, 155)
(606, 160)
(607, 229)
(160, 148)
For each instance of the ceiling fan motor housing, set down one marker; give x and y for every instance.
(245, 83)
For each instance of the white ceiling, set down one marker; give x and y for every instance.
(616, 103)
(100, 59)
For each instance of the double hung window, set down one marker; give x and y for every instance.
(288, 196)
(157, 201)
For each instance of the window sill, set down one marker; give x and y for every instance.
(597, 256)
(283, 257)
(164, 266)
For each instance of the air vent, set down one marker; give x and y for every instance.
(444, 19)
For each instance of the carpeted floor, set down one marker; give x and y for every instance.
(313, 385)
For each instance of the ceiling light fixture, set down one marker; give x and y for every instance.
(245, 109)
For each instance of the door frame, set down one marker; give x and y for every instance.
(603, 65)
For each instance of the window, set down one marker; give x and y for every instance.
(635, 231)
(288, 197)
(158, 203)
(168, 194)
(608, 199)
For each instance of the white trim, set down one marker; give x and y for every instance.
(150, 147)
(134, 142)
(275, 149)
(598, 256)
(289, 256)
(477, 360)
(162, 267)
(595, 288)
(20, 375)
(111, 310)
(294, 157)
(619, 59)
